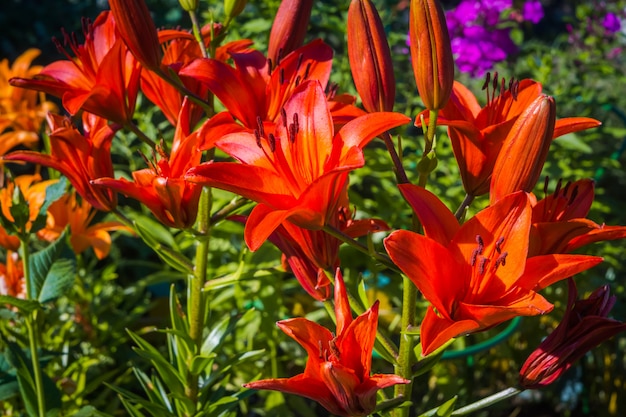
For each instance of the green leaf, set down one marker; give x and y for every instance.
(16, 358)
(41, 263)
(572, 142)
(174, 381)
(25, 306)
(200, 363)
(90, 411)
(444, 410)
(170, 256)
(58, 281)
(53, 193)
(9, 387)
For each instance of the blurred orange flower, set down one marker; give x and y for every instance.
(79, 216)
(34, 192)
(12, 276)
(21, 111)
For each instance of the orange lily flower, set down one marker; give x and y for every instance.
(337, 373)
(79, 216)
(180, 49)
(299, 173)
(584, 326)
(81, 157)
(7, 241)
(476, 275)
(103, 78)
(163, 188)
(258, 88)
(560, 224)
(309, 253)
(477, 134)
(12, 276)
(21, 111)
(34, 192)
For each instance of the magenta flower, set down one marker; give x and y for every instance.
(532, 11)
(611, 23)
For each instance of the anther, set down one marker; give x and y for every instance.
(546, 183)
(573, 196)
(281, 77)
(279, 56)
(271, 139)
(321, 352)
(487, 80)
(269, 66)
(306, 70)
(500, 261)
(297, 80)
(566, 189)
(333, 349)
(257, 136)
(259, 123)
(557, 189)
(295, 122)
(481, 265)
(480, 242)
(283, 115)
(292, 133)
(299, 62)
(499, 244)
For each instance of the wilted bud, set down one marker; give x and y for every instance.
(137, 29)
(431, 53)
(524, 150)
(189, 5)
(233, 8)
(370, 58)
(584, 326)
(289, 28)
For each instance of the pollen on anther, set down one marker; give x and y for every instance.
(499, 244)
(283, 115)
(272, 141)
(257, 136)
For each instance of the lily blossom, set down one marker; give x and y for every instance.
(21, 111)
(477, 134)
(79, 216)
(12, 281)
(34, 192)
(559, 220)
(584, 326)
(310, 253)
(258, 87)
(476, 275)
(102, 79)
(300, 172)
(337, 373)
(81, 157)
(162, 188)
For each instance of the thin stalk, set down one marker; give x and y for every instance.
(486, 402)
(142, 136)
(195, 25)
(398, 168)
(384, 259)
(466, 202)
(228, 209)
(33, 331)
(196, 301)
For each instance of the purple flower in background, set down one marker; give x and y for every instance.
(532, 11)
(611, 23)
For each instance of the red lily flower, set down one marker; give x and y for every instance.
(81, 157)
(337, 373)
(477, 134)
(584, 326)
(476, 275)
(560, 224)
(163, 188)
(309, 253)
(103, 78)
(299, 173)
(257, 88)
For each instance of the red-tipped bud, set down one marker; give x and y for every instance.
(431, 53)
(370, 58)
(524, 150)
(289, 28)
(137, 29)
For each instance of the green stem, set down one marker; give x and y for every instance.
(33, 331)
(195, 25)
(398, 168)
(407, 341)
(142, 136)
(486, 402)
(196, 301)
(384, 259)
(466, 202)
(228, 209)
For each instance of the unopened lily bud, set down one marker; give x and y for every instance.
(289, 28)
(233, 8)
(189, 5)
(525, 149)
(431, 53)
(370, 58)
(137, 29)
